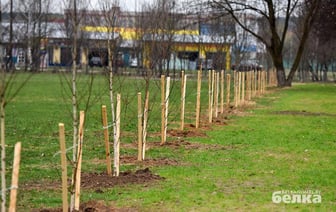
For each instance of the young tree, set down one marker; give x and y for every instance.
(269, 12)
(74, 17)
(111, 13)
(9, 88)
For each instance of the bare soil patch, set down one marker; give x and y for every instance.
(189, 132)
(99, 182)
(91, 206)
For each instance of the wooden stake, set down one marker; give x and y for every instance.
(183, 94)
(267, 79)
(210, 101)
(216, 92)
(248, 85)
(144, 130)
(259, 83)
(106, 141)
(222, 92)
(64, 168)
(239, 87)
(213, 92)
(235, 84)
(215, 101)
(166, 107)
(243, 88)
(163, 109)
(15, 177)
(139, 128)
(181, 108)
(79, 160)
(116, 144)
(264, 81)
(251, 84)
(254, 85)
(228, 90)
(212, 82)
(198, 98)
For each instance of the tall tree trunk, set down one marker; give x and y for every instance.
(279, 66)
(3, 152)
(2, 128)
(281, 77)
(74, 101)
(10, 50)
(110, 66)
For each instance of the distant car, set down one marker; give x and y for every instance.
(134, 63)
(247, 67)
(206, 64)
(95, 61)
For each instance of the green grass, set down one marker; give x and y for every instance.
(286, 142)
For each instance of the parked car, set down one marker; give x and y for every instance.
(207, 64)
(133, 63)
(95, 61)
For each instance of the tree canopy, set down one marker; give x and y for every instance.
(274, 19)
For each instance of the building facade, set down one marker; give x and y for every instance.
(138, 39)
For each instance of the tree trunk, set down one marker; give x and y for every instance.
(3, 157)
(74, 103)
(110, 67)
(279, 66)
(281, 76)
(74, 123)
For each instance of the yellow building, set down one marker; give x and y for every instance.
(186, 45)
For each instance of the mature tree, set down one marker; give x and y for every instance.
(276, 16)
(34, 14)
(158, 26)
(320, 53)
(10, 86)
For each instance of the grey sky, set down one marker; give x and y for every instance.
(133, 5)
(59, 5)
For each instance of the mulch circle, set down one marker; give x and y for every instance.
(99, 181)
(91, 206)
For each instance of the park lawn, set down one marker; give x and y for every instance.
(287, 141)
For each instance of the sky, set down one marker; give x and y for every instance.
(58, 5)
(133, 5)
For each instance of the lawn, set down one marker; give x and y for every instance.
(286, 141)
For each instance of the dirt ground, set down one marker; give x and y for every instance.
(99, 181)
(93, 206)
